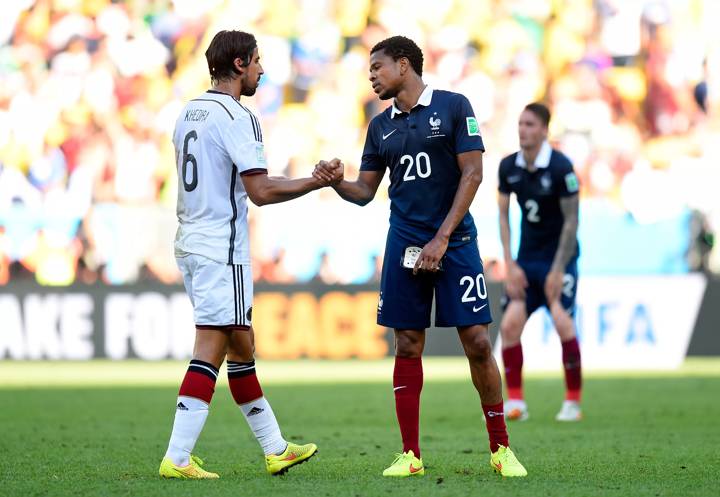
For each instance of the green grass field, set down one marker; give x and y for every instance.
(89, 434)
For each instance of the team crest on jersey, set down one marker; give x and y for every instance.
(546, 181)
(435, 123)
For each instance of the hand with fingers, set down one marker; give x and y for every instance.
(516, 282)
(431, 255)
(553, 286)
(330, 173)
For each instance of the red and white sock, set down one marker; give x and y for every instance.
(495, 423)
(513, 361)
(247, 393)
(192, 410)
(407, 384)
(573, 369)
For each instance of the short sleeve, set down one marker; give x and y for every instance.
(568, 184)
(467, 130)
(371, 159)
(503, 184)
(243, 144)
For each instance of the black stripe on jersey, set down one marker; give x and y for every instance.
(254, 120)
(235, 294)
(231, 251)
(203, 367)
(212, 100)
(242, 295)
(241, 308)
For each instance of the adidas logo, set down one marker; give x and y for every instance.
(254, 411)
(181, 407)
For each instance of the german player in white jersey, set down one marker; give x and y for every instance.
(221, 163)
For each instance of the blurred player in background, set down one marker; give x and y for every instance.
(221, 162)
(430, 141)
(545, 272)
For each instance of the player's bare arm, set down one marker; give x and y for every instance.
(359, 192)
(566, 247)
(515, 280)
(264, 190)
(471, 168)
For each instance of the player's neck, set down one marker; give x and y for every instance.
(231, 87)
(408, 97)
(530, 154)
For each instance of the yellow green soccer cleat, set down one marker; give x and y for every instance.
(503, 461)
(405, 464)
(192, 471)
(294, 454)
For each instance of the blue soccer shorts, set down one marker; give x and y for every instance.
(536, 272)
(460, 291)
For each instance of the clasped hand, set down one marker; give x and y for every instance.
(329, 173)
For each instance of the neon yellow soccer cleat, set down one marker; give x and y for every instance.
(192, 471)
(294, 454)
(405, 464)
(503, 461)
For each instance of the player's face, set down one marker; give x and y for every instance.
(251, 75)
(531, 130)
(385, 75)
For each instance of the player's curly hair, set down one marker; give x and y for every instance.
(541, 111)
(224, 48)
(400, 46)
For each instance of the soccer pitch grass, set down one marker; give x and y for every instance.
(101, 428)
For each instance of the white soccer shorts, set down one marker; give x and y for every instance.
(221, 294)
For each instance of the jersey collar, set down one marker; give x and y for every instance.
(541, 161)
(424, 100)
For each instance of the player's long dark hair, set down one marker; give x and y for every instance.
(400, 46)
(224, 48)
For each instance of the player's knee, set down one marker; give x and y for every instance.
(408, 345)
(510, 331)
(479, 348)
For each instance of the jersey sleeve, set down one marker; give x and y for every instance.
(466, 130)
(568, 184)
(243, 142)
(371, 159)
(503, 185)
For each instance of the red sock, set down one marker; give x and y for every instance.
(407, 383)
(573, 370)
(244, 384)
(513, 360)
(495, 423)
(199, 381)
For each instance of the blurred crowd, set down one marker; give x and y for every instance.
(90, 89)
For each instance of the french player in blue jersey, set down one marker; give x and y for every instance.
(430, 142)
(545, 272)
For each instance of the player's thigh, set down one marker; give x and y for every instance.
(242, 345)
(405, 299)
(513, 322)
(221, 294)
(461, 294)
(535, 273)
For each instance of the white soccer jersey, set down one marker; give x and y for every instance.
(216, 140)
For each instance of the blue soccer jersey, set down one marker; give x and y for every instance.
(539, 193)
(420, 148)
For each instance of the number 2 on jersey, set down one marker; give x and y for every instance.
(533, 209)
(422, 170)
(188, 157)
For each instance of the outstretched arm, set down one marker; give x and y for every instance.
(264, 190)
(360, 191)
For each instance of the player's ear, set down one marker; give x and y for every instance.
(403, 65)
(238, 67)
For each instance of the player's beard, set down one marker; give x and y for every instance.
(248, 88)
